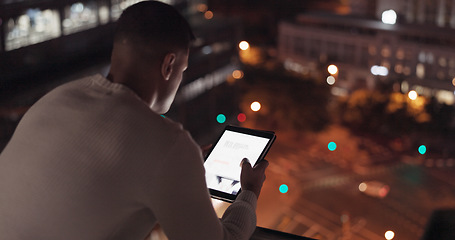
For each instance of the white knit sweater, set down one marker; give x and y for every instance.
(90, 160)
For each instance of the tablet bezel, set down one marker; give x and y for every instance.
(270, 135)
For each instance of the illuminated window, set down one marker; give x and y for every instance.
(430, 58)
(372, 50)
(386, 52)
(386, 64)
(34, 26)
(117, 6)
(446, 97)
(420, 70)
(442, 62)
(398, 68)
(422, 57)
(404, 87)
(400, 54)
(116, 9)
(103, 12)
(80, 16)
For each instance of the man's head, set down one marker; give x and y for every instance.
(151, 52)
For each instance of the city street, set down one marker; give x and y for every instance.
(324, 201)
(360, 94)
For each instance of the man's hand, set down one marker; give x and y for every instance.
(253, 178)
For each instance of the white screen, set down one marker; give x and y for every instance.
(222, 167)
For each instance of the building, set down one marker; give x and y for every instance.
(47, 42)
(413, 55)
(440, 12)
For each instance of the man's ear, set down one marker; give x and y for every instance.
(168, 65)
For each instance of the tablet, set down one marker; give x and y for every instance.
(223, 163)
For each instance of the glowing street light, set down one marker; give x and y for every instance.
(330, 80)
(237, 74)
(412, 95)
(202, 7)
(332, 69)
(244, 45)
(255, 106)
(379, 70)
(389, 17)
(389, 235)
(208, 15)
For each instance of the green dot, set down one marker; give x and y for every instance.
(284, 188)
(221, 118)
(332, 146)
(422, 149)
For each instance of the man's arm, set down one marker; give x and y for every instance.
(183, 206)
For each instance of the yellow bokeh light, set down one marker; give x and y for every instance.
(412, 95)
(389, 235)
(453, 82)
(255, 106)
(202, 7)
(244, 45)
(208, 15)
(332, 69)
(330, 80)
(237, 74)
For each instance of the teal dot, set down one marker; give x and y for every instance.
(422, 149)
(284, 188)
(163, 116)
(221, 118)
(332, 146)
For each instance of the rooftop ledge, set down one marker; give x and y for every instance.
(260, 233)
(269, 234)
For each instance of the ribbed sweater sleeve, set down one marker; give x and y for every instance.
(239, 219)
(182, 205)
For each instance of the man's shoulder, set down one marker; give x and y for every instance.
(76, 84)
(68, 89)
(166, 127)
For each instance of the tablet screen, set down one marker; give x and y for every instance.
(222, 166)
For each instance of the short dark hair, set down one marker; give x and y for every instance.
(155, 26)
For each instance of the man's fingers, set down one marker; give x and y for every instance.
(246, 163)
(262, 165)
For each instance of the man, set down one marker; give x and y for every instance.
(94, 159)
